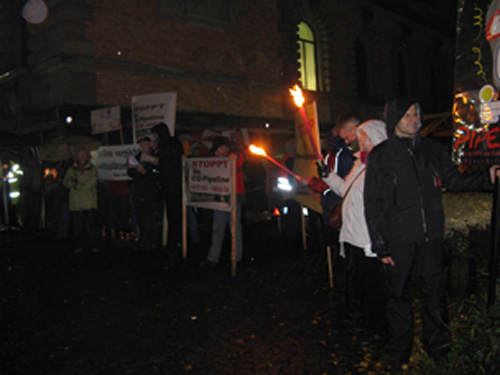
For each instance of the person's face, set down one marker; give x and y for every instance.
(348, 132)
(145, 146)
(222, 151)
(238, 137)
(408, 125)
(365, 143)
(82, 157)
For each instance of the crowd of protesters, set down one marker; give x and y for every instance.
(389, 178)
(130, 213)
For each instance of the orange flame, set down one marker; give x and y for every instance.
(298, 98)
(257, 150)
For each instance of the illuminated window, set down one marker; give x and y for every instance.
(307, 57)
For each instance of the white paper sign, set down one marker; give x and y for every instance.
(209, 182)
(151, 109)
(105, 120)
(111, 161)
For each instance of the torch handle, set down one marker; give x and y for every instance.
(281, 166)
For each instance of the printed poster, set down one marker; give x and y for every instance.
(151, 109)
(209, 182)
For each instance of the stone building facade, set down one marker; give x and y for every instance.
(231, 62)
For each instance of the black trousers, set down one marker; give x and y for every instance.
(84, 227)
(146, 214)
(365, 283)
(173, 199)
(423, 264)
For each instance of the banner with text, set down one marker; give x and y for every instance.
(111, 161)
(209, 182)
(151, 109)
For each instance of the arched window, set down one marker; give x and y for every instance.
(307, 57)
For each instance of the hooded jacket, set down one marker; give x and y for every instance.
(82, 193)
(404, 182)
(354, 229)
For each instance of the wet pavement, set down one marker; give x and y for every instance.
(120, 311)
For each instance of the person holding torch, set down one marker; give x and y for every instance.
(363, 272)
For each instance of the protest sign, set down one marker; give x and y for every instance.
(105, 120)
(151, 109)
(111, 161)
(209, 182)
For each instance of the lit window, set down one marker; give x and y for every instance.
(307, 57)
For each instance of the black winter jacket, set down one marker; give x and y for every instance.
(403, 191)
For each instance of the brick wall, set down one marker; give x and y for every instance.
(233, 69)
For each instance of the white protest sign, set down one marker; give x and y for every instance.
(111, 161)
(209, 182)
(150, 109)
(105, 120)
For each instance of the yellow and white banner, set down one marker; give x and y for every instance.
(305, 159)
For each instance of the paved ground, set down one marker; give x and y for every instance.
(125, 312)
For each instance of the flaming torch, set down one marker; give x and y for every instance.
(260, 151)
(299, 100)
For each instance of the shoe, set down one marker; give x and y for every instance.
(208, 263)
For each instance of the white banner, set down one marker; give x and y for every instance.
(151, 109)
(209, 182)
(111, 161)
(105, 120)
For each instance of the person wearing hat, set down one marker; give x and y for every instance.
(222, 148)
(405, 177)
(362, 269)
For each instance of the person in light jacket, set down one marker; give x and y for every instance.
(363, 269)
(81, 180)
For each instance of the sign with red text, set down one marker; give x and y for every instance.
(105, 120)
(476, 108)
(209, 182)
(151, 109)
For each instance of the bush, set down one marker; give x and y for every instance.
(476, 345)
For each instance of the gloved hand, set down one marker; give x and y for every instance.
(323, 170)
